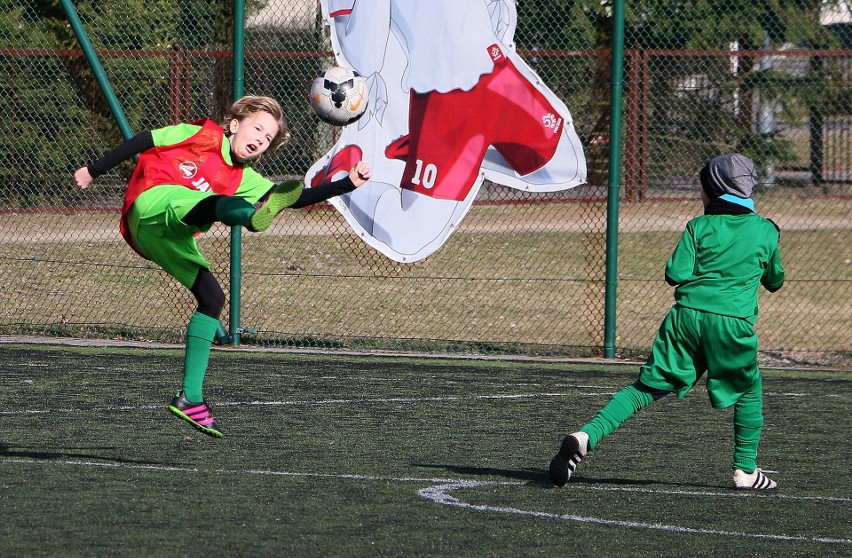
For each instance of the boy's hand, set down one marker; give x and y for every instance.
(83, 178)
(360, 173)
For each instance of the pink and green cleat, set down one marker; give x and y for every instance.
(198, 415)
(281, 196)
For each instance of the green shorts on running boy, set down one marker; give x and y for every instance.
(691, 342)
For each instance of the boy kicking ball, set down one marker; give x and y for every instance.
(188, 177)
(716, 269)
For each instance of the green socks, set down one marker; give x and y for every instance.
(199, 340)
(621, 406)
(234, 211)
(748, 422)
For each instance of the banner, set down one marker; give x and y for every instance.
(450, 104)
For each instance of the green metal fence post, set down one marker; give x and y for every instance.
(614, 179)
(237, 232)
(97, 69)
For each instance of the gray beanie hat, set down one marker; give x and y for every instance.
(729, 174)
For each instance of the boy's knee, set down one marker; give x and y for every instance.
(748, 418)
(748, 411)
(209, 294)
(215, 303)
(655, 393)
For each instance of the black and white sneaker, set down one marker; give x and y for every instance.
(753, 481)
(573, 449)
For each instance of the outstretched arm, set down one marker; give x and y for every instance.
(132, 147)
(358, 175)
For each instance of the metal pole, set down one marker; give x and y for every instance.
(237, 232)
(614, 179)
(766, 126)
(97, 69)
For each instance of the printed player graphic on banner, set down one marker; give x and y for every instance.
(450, 104)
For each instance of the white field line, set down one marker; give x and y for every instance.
(362, 401)
(306, 402)
(439, 493)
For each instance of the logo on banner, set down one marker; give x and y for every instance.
(495, 53)
(552, 122)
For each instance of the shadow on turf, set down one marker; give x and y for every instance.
(35, 453)
(540, 477)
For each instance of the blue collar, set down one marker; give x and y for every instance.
(748, 203)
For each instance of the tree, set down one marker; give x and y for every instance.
(43, 117)
(696, 102)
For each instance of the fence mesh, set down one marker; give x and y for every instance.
(524, 273)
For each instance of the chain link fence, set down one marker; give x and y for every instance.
(524, 273)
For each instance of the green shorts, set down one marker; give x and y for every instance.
(155, 223)
(691, 342)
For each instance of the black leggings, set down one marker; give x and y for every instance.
(208, 293)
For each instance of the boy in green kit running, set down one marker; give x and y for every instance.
(716, 269)
(188, 177)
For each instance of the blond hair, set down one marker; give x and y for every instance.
(251, 104)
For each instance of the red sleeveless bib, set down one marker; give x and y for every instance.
(195, 163)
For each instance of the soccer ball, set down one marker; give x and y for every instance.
(339, 95)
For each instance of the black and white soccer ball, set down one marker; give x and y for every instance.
(339, 95)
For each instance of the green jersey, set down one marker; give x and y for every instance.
(721, 260)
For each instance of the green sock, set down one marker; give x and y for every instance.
(621, 406)
(199, 340)
(234, 211)
(748, 423)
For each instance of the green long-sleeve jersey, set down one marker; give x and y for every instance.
(721, 260)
